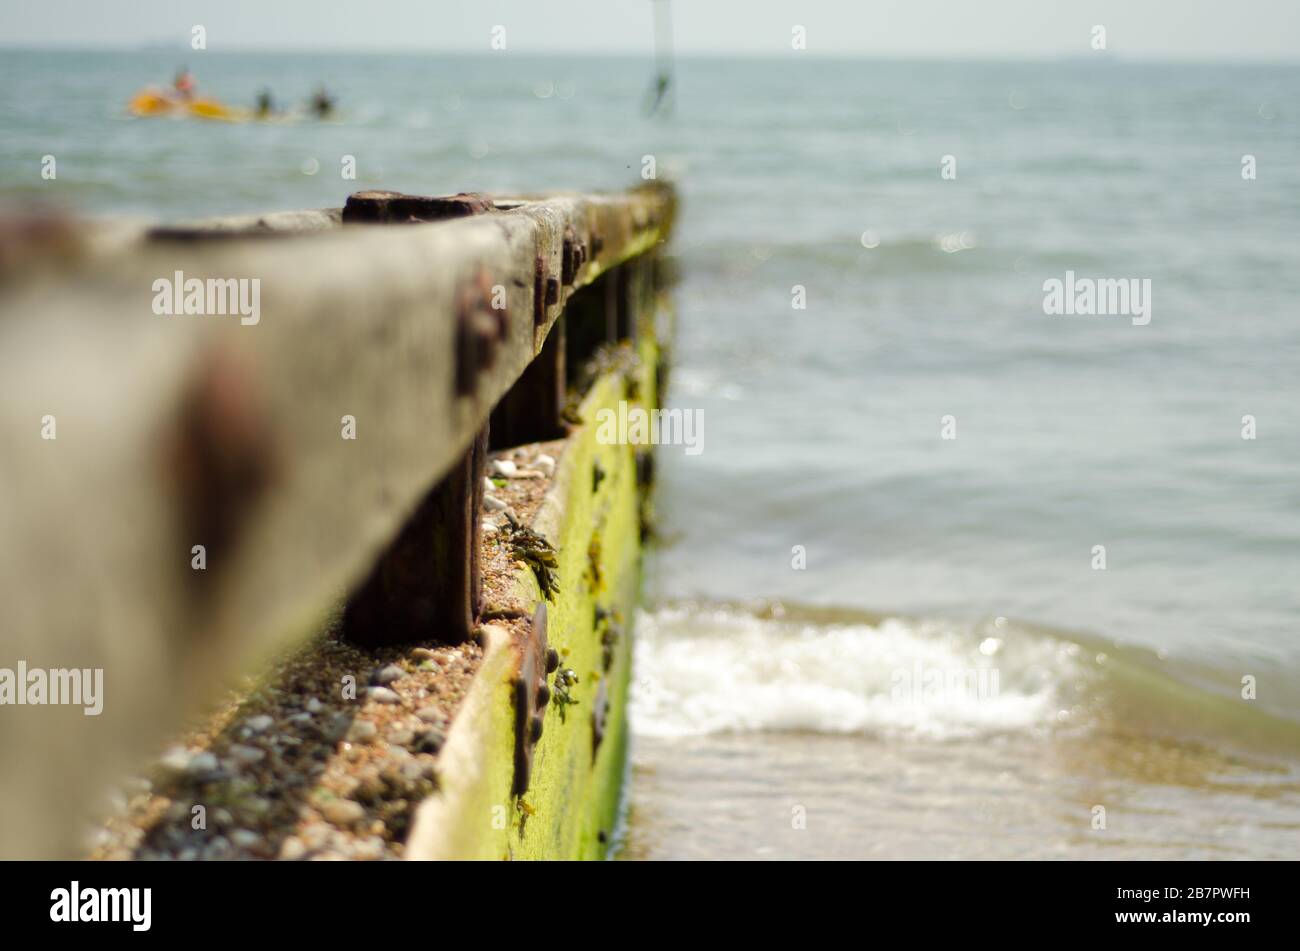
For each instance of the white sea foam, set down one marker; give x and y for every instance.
(711, 670)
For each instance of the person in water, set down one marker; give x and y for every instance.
(184, 83)
(322, 103)
(265, 104)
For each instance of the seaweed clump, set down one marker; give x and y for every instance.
(536, 552)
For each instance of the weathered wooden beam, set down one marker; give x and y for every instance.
(289, 445)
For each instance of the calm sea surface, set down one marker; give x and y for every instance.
(784, 712)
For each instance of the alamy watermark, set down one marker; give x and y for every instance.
(656, 427)
(919, 684)
(1098, 297)
(213, 297)
(56, 686)
(76, 904)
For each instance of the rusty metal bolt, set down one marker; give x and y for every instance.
(220, 451)
(480, 329)
(486, 291)
(471, 351)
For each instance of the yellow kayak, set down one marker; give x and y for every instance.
(155, 102)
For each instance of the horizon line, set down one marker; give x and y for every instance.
(1109, 56)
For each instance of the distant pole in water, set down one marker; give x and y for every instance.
(659, 99)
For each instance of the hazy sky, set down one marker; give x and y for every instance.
(1139, 29)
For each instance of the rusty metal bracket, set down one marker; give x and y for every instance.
(480, 331)
(532, 694)
(220, 456)
(573, 256)
(26, 240)
(385, 207)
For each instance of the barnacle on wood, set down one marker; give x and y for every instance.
(565, 680)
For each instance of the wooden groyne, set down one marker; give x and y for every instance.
(220, 435)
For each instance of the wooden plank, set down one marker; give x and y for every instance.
(172, 432)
